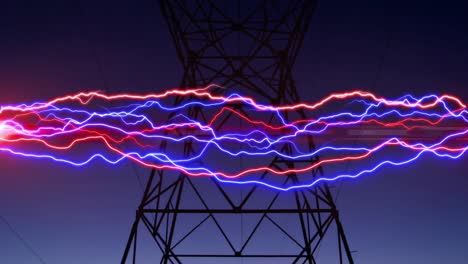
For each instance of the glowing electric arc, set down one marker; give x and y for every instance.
(146, 129)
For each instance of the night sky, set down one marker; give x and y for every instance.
(416, 214)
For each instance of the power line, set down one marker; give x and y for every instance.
(101, 73)
(22, 240)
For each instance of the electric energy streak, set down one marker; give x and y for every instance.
(355, 128)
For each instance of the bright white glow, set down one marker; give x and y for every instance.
(5, 130)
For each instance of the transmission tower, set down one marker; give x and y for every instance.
(249, 47)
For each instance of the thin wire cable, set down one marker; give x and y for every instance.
(101, 73)
(23, 241)
(378, 74)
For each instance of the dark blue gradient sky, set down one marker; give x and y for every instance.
(416, 214)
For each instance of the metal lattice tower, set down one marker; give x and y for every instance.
(249, 47)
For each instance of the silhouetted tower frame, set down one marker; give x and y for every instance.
(266, 41)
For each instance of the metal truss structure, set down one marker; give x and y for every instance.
(249, 47)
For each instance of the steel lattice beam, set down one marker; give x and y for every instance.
(252, 52)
